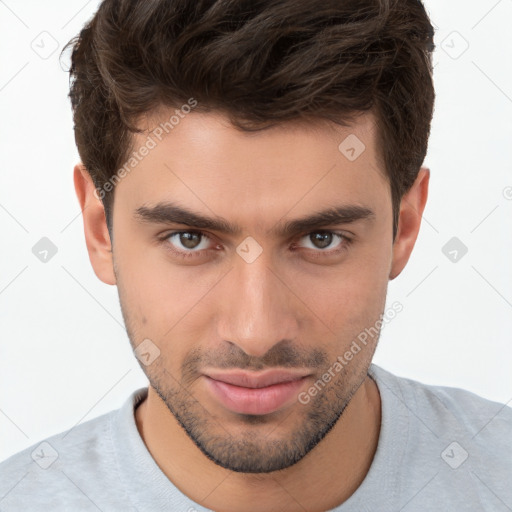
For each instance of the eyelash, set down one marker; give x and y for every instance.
(345, 243)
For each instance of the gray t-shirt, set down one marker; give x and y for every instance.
(439, 448)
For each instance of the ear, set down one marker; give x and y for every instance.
(97, 237)
(411, 210)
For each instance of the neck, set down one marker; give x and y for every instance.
(326, 477)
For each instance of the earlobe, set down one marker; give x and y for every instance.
(411, 211)
(97, 237)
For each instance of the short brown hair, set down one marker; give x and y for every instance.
(261, 62)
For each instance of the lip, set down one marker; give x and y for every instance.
(249, 393)
(256, 380)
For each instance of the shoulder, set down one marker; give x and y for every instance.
(451, 448)
(470, 409)
(482, 426)
(65, 469)
(445, 403)
(63, 445)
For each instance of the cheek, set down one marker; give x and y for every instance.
(164, 301)
(145, 291)
(346, 300)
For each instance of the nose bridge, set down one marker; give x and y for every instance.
(257, 310)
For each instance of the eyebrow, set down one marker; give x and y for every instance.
(167, 213)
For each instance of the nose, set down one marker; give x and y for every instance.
(257, 307)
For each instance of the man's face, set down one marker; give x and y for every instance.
(258, 298)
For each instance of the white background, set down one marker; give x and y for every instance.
(64, 354)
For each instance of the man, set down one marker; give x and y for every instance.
(251, 179)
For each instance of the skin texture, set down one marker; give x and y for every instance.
(297, 305)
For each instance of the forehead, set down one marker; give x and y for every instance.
(204, 161)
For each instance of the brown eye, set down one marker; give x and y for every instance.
(188, 241)
(321, 240)
(324, 240)
(323, 245)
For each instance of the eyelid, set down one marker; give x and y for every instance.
(345, 242)
(168, 234)
(165, 239)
